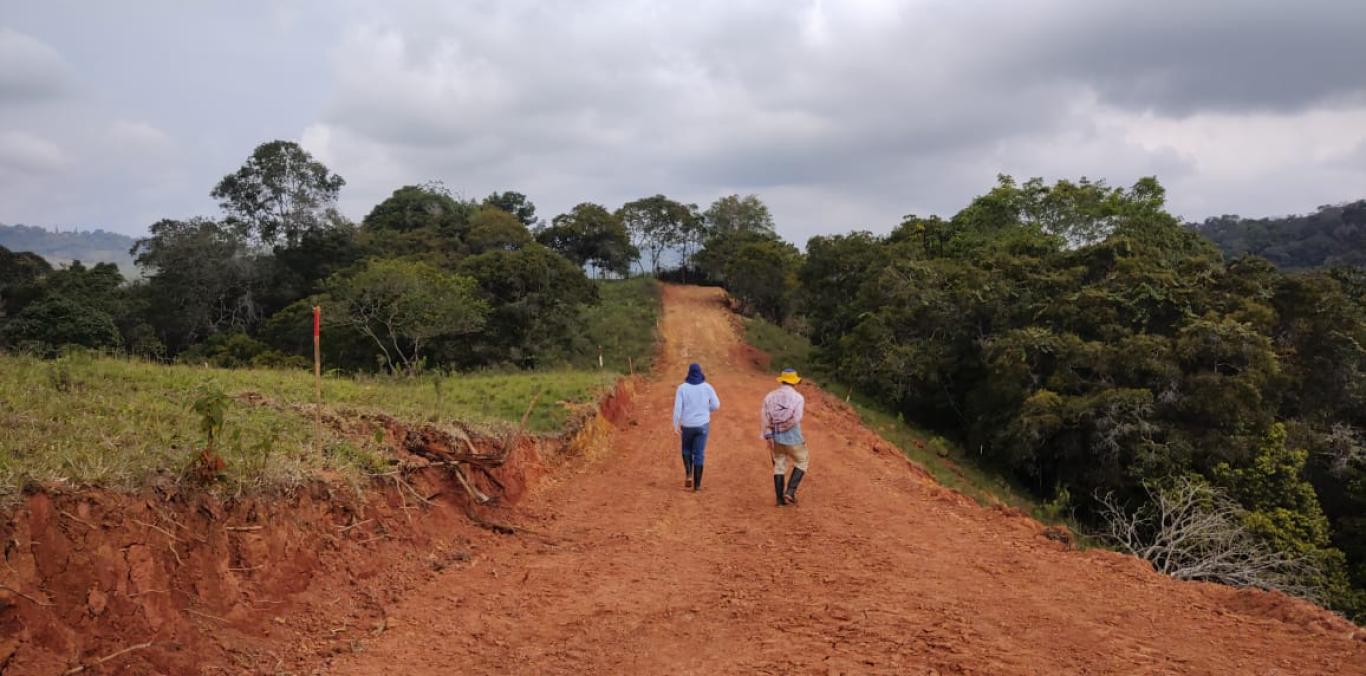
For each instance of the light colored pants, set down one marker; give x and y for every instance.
(782, 453)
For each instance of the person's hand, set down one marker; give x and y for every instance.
(678, 430)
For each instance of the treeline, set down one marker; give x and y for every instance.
(426, 280)
(1333, 235)
(1083, 341)
(90, 246)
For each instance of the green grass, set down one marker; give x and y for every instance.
(489, 398)
(623, 323)
(84, 420)
(945, 461)
(785, 349)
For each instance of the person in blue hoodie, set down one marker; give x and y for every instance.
(693, 403)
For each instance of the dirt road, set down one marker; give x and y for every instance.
(878, 570)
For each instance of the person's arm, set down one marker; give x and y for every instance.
(715, 402)
(764, 425)
(678, 410)
(801, 409)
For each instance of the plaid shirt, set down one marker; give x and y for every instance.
(781, 416)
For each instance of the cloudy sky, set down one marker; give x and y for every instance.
(840, 114)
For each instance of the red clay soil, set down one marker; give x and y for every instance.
(618, 569)
(878, 569)
(171, 583)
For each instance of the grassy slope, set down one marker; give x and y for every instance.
(950, 465)
(623, 323)
(87, 420)
(100, 421)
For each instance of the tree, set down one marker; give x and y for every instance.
(922, 237)
(96, 286)
(734, 213)
(423, 221)
(1081, 339)
(535, 295)
(496, 230)
(429, 206)
(1334, 235)
(202, 278)
(831, 274)
(299, 269)
(657, 224)
(692, 234)
(761, 274)
(280, 191)
(290, 331)
(591, 235)
(403, 305)
(21, 267)
(1321, 337)
(1283, 510)
(20, 274)
(58, 320)
(514, 203)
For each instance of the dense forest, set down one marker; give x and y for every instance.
(425, 281)
(1332, 235)
(1075, 337)
(1080, 339)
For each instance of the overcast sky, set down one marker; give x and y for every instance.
(840, 115)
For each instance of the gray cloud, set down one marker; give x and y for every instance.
(33, 71)
(840, 115)
(1182, 57)
(30, 154)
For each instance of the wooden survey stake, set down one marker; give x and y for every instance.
(318, 379)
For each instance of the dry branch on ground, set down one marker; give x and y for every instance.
(1192, 531)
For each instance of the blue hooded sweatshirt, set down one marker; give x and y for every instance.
(695, 400)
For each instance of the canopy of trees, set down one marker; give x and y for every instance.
(514, 203)
(1085, 343)
(1331, 236)
(734, 213)
(403, 305)
(425, 280)
(1082, 340)
(591, 235)
(658, 224)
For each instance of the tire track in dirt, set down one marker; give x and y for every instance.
(878, 570)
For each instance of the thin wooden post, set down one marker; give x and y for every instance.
(317, 379)
(521, 429)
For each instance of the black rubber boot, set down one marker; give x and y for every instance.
(697, 477)
(778, 489)
(797, 475)
(687, 472)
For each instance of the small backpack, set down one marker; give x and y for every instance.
(780, 416)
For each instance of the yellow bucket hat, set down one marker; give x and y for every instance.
(789, 376)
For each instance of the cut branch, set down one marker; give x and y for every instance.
(1192, 531)
(110, 656)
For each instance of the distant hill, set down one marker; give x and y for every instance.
(1332, 235)
(59, 248)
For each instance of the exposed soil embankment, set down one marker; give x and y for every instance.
(186, 582)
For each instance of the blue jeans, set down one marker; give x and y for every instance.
(694, 445)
